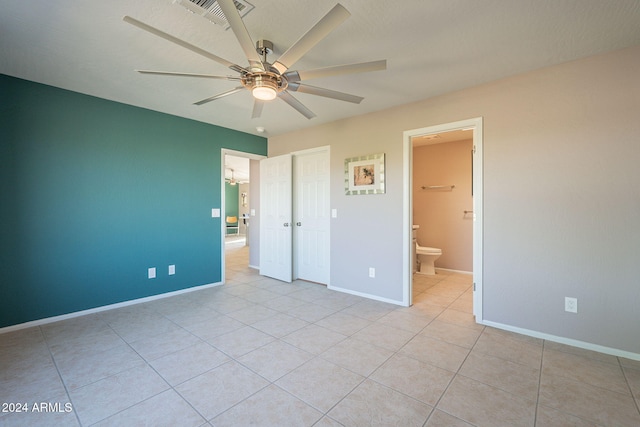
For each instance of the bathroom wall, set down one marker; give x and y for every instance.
(440, 213)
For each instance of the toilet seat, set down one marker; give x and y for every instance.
(426, 250)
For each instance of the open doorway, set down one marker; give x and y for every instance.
(445, 191)
(240, 205)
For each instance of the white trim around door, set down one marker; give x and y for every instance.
(227, 152)
(407, 220)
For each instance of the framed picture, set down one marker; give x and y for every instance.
(364, 174)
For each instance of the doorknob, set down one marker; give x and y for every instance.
(298, 224)
(286, 224)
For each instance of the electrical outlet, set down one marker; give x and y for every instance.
(571, 304)
(172, 270)
(151, 273)
(372, 272)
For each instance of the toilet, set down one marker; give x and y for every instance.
(427, 257)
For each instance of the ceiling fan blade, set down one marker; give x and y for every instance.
(220, 95)
(328, 23)
(327, 93)
(362, 67)
(257, 108)
(237, 25)
(169, 37)
(172, 73)
(289, 99)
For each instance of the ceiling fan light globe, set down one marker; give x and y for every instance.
(264, 93)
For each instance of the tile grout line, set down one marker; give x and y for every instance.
(626, 378)
(64, 384)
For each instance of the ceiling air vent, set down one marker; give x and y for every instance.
(209, 9)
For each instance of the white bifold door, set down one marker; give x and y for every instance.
(294, 216)
(275, 217)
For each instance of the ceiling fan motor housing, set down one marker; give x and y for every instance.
(264, 79)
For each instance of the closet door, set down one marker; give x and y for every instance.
(275, 218)
(311, 215)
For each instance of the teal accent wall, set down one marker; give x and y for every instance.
(231, 202)
(93, 193)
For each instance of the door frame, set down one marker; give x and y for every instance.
(223, 226)
(474, 124)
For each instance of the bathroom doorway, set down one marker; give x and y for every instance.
(456, 227)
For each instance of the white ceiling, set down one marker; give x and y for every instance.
(239, 166)
(432, 47)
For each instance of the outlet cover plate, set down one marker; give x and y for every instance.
(571, 305)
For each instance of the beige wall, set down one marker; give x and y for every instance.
(440, 213)
(561, 197)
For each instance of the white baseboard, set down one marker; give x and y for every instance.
(365, 295)
(563, 340)
(103, 308)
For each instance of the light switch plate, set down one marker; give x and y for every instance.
(215, 213)
(334, 213)
(151, 273)
(172, 270)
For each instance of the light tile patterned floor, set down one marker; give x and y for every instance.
(260, 352)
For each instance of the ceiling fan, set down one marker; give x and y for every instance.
(266, 80)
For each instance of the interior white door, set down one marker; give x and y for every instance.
(311, 216)
(275, 218)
